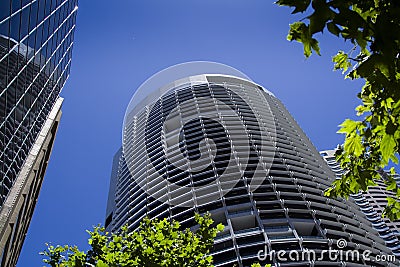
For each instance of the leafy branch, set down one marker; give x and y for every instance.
(373, 27)
(156, 243)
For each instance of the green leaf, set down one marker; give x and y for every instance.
(353, 145)
(299, 5)
(333, 28)
(392, 185)
(100, 263)
(361, 109)
(321, 16)
(396, 108)
(390, 128)
(373, 63)
(315, 46)
(341, 61)
(354, 186)
(387, 147)
(349, 126)
(220, 227)
(300, 32)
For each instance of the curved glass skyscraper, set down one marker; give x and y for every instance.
(36, 39)
(220, 143)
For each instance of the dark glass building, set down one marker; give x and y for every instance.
(220, 143)
(36, 39)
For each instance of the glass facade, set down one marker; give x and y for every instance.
(36, 40)
(262, 178)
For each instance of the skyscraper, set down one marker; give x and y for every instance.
(210, 139)
(36, 38)
(372, 203)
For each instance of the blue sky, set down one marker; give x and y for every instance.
(119, 44)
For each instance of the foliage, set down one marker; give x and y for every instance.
(259, 265)
(155, 243)
(373, 27)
